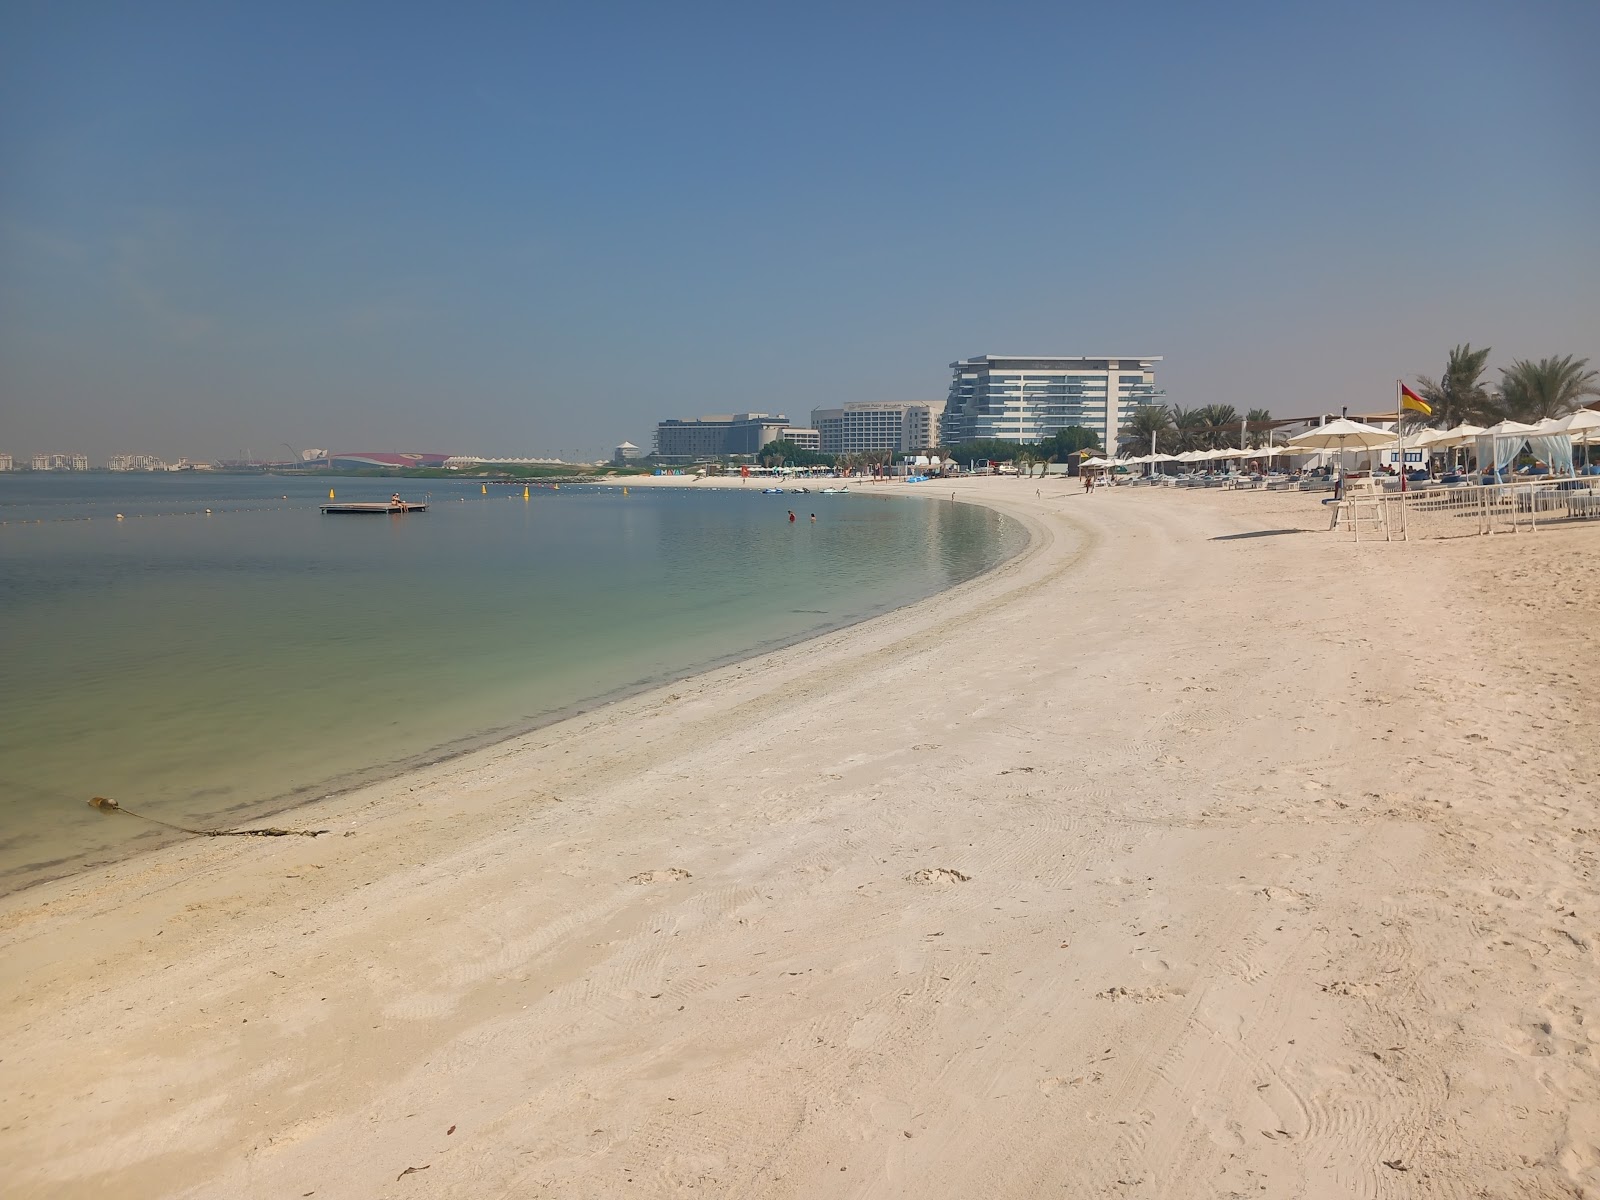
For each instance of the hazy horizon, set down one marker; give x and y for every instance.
(374, 228)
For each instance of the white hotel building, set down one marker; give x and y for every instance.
(1025, 398)
(903, 427)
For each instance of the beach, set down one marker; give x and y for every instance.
(1194, 851)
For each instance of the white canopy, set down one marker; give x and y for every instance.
(1508, 428)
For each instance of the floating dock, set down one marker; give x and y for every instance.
(380, 507)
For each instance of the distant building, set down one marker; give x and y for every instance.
(135, 462)
(902, 427)
(625, 454)
(1026, 398)
(6, 463)
(697, 438)
(60, 462)
(458, 461)
(806, 439)
(358, 459)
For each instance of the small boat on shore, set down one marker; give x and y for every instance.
(381, 506)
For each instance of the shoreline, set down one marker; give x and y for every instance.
(428, 764)
(255, 812)
(1154, 854)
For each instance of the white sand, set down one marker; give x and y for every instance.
(1280, 880)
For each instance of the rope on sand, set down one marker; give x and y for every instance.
(107, 805)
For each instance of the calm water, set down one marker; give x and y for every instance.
(209, 668)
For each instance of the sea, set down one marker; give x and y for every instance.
(211, 649)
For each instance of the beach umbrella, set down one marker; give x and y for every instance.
(1341, 435)
(1582, 427)
(1431, 437)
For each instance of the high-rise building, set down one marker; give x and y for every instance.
(900, 426)
(60, 462)
(1022, 398)
(5, 462)
(135, 462)
(697, 438)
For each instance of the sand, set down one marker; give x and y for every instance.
(1159, 862)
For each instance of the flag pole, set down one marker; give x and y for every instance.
(1400, 437)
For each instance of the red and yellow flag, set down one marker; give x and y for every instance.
(1409, 399)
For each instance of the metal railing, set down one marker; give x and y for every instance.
(1432, 511)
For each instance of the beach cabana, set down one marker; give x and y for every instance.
(1499, 444)
(1552, 444)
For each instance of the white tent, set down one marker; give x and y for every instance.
(1500, 443)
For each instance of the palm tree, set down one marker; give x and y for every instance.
(1189, 425)
(1147, 421)
(1458, 395)
(1221, 420)
(1551, 387)
(1257, 420)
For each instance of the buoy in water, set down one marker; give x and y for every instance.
(525, 495)
(330, 493)
(484, 488)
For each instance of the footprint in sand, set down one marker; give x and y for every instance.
(670, 875)
(937, 875)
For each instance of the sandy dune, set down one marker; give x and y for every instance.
(1150, 865)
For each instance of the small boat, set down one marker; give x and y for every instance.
(836, 491)
(382, 506)
(772, 491)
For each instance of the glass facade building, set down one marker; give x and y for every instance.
(1014, 398)
(699, 438)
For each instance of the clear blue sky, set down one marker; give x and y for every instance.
(541, 228)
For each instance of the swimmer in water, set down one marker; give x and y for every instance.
(791, 516)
